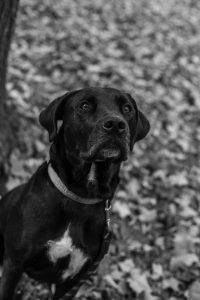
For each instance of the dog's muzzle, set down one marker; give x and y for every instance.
(112, 143)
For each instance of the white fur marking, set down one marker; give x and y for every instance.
(77, 260)
(63, 247)
(59, 124)
(1, 271)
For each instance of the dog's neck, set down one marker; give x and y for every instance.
(74, 173)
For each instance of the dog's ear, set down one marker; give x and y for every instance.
(143, 126)
(49, 116)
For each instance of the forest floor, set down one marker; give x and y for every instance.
(150, 48)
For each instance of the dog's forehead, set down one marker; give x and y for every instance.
(99, 95)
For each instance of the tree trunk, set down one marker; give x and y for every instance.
(8, 11)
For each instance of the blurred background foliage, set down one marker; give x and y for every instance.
(150, 49)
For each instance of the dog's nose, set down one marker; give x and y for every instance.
(114, 124)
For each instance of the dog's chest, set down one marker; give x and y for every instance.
(62, 248)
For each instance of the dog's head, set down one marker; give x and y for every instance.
(99, 123)
(99, 127)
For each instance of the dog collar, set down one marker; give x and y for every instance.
(65, 191)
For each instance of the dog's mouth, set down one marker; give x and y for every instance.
(106, 151)
(108, 154)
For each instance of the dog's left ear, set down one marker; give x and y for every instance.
(143, 126)
(49, 116)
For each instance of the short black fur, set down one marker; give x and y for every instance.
(33, 214)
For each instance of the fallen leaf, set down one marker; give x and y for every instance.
(139, 284)
(135, 246)
(194, 291)
(122, 209)
(113, 284)
(184, 260)
(127, 266)
(184, 243)
(133, 188)
(147, 215)
(85, 290)
(171, 283)
(157, 271)
(188, 212)
(178, 179)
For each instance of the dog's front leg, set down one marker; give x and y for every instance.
(10, 277)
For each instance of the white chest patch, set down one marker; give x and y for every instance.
(1, 271)
(63, 247)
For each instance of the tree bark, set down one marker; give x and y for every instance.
(8, 11)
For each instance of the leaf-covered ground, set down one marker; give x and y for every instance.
(150, 48)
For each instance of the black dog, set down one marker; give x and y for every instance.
(55, 227)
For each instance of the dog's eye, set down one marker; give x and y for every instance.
(127, 108)
(85, 106)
